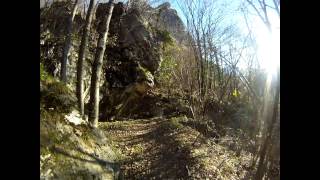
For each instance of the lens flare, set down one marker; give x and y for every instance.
(268, 46)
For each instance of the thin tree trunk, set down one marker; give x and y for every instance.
(221, 70)
(84, 8)
(205, 69)
(96, 69)
(217, 66)
(67, 46)
(84, 42)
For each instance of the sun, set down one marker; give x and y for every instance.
(268, 47)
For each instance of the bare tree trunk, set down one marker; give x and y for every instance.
(96, 69)
(218, 67)
(84, 42)
(67, 46)
(204, 66)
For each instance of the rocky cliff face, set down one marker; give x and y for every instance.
(133, 55)
(132, 46)
(53, 20)
(169, 20)
(133, 52)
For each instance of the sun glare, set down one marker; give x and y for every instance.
(268, 46)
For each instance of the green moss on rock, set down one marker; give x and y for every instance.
(55, 95)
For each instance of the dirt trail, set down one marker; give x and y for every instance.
(165, 149)
(153, 149)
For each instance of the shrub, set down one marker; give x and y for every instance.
(165, 37)
(55, 94)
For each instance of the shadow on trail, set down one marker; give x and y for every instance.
(96, 160)
(163, 157)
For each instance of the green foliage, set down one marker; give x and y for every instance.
(165, 37)
(168, 65)
(55, 94)
(58, 88)
(175, 122)
(166, 68)
(44, 75)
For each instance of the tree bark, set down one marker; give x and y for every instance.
(67, 46)
(84, 42)
(96, 69)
